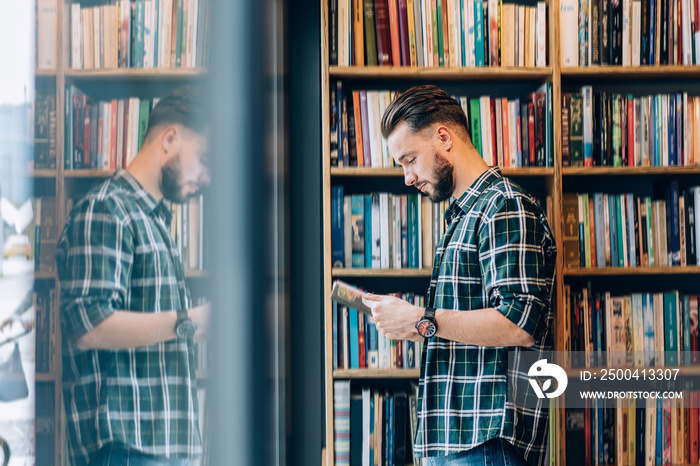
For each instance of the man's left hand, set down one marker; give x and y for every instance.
(395, 318)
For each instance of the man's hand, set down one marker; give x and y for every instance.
(395, 318)
(200, 316)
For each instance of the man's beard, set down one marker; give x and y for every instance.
(170, 181)
(443, 172)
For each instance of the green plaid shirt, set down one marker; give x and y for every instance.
(498, 251)
(116, 253)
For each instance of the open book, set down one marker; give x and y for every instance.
(347, 295)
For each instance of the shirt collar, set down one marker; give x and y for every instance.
(466, 200)
(143, 198)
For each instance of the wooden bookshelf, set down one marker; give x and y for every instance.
(555, 180)
(348, 272)
(376, 374)
(134, 74)
(88, 173)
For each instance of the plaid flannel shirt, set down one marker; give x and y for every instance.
(116, 253)
(498, 252)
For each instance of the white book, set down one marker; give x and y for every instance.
(686, 33)
(167, 34)
(419, 222)
(533, 36)
(106, 109)
(344, 32)
(384, 230)
(97, 22)
(384, 101)
(486, 149)
(541, 34)
(109, 32)
(133, 130)
(120, 134)
(636, 31)
(568, 27)
(419, 31)
(398, 255)
(160, 38)
(520, 34)
(469, 28)
(456, 27)
(47, 34)
(75, 38)
(384, 351)
(366, 421)
(637, 133)
(626, 32)
(147, 35)
(86, 38)
(195, 32)
(499, 133)
(374, 128)
(513, 136)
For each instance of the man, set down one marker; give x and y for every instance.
(129, 381)
(495, 266)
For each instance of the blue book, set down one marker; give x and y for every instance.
(679, 128)
(601, 431)
(357, 215)
(154, 33)
(479, 33)
(672, 211)
(352, 339)
(368, 231)
(652, 32)
(599, 216)
(671, 328)
(631, 241)
(337, 227)
(620, 226)
(335, 335)
(672, 157)
(612, 212)
(413, 227)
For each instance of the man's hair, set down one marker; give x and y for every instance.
(420, 107)
(184, 106)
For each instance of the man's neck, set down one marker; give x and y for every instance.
(145, 169)
(468, 168)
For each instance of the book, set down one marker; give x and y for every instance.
(347, 295)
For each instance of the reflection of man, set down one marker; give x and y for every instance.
(129, 382)
(23, 314)
(490, 292)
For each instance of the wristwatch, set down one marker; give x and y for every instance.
(185, 327)
(427, 326)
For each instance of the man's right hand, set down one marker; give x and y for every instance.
(200, 316)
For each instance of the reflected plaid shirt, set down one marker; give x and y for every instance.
(115, 253)
(498, 251)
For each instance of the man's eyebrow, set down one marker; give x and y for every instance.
(404, 156)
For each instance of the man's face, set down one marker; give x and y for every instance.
(186, 170)
(423, 159)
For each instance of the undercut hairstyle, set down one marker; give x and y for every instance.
(420, 107)
(185, 106)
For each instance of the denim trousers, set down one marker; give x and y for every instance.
(495, 452)
(120, 455)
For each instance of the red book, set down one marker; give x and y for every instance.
(113, 135)
(357, 110)
(630, 132)
(361, 340)
(531, 131)
(399, 354)
(100, 136)
(86, 144)
(493, 131)
(381, 19)
(394, 31)
(506, 132)
(403, 33)
(693, 427)
(518, 137)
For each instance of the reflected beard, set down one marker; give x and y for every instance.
(443, 172)
(170, 186)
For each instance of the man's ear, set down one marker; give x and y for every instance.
(445, 137)
(168, 138)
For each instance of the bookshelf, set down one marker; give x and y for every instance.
(554, 181)
(64, 183)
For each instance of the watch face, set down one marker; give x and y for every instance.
(185, 329)
(426, 328)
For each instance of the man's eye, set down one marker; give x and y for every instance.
(412, 161)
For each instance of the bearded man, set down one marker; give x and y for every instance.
(129, 382)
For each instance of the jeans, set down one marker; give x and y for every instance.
(120, 455)
(495, 452)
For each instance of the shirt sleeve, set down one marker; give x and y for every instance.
(517, 259)
(94, 255)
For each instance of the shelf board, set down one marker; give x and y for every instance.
(627, 271)
(625, 171)
(135, 73)
(41, 275)
(349, 272)
(45, 72)
(44, 377)
(376, 374)
(398, 171)
(44, 173)
(88, 173)
(444, 73)
(633, 72)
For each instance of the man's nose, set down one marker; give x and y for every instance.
(409, 177)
